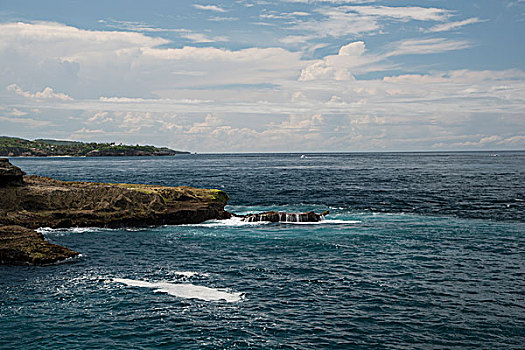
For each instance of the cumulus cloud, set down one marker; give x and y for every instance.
(352, 58)
(100, 117)
(135, 88)
(337, 67)
(92, 63)
(47, 93)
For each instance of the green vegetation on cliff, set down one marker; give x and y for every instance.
(14, 147)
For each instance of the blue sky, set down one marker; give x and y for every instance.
(269, 76)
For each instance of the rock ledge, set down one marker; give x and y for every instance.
(22, 246)
(30, 202)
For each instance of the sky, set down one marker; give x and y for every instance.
(266, 76)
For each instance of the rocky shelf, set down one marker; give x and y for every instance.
(30, 202)
(23, 246)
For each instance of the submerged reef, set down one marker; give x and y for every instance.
(30, 202)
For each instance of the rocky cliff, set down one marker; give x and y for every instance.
(34, 201)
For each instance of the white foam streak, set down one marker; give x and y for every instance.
(232, 222)
(324, 222)
(238, 222)
(190, 274)
(184, 290)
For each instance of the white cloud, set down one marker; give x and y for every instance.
(85, 133)
(337, 67)
(130, 86)
(100, 117)
(352, 58)
(337, 23)
(453, 25)
(183, 33)
(47, 93)
(26, 122)
(427, 46)
(17, 113)
(332, 1)
(61, 38)
(350, 20)
(223, 19)
(283, 15)
(95, 63)
(402, 13)
(200, 37)
(209, 8)
(486, 140)
(519, 139)
(296, 39)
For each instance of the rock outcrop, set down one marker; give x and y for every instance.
(10, 174)
(273, 216)
(44, 202)
(22, 246)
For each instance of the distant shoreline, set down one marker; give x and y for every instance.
(114, 155)
(44, 148)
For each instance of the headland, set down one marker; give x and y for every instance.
(17, 147)
(30, 202)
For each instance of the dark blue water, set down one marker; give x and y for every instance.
(419, 251)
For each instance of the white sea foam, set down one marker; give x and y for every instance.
(46, 230)
(238, 222)
(232, 222)
(184, 290)
(325, 222)
(190, 274)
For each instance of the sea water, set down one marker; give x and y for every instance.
(419, 251)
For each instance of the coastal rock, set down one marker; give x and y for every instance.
(273, 216)
(22, 246)
(10, 174)
(45, 202)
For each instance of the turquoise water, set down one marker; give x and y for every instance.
(419, 251)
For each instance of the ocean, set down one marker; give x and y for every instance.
(420, 250)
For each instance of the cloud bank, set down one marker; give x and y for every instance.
(130, 87)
